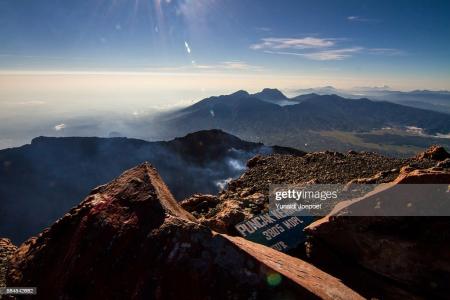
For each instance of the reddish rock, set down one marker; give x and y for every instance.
(131, 240)
(200, 203)
(317, 282)
(426, 176)
(372, 180)
(230, 214)
(434, 153)
(444, 164)
(414, 251)
(406, 169)
(367, 283)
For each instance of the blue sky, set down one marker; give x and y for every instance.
(401, 43)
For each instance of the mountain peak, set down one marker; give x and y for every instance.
(137, 190)
(209, 134)
(270, 94)
(40, 139)
(240, 93)
(304, 97)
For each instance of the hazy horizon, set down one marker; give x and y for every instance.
(37, 111)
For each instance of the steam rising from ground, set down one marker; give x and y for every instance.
(236, 164)
(61, 172)
(222, 184)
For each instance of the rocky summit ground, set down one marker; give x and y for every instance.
(407, 252)
(130, 239)
(247, 196)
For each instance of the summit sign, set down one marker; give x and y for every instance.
(276, 229)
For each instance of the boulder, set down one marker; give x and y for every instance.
(445, 164)
(434, 153)
(200, 203)
(230, 214)
(129, 239)
(412, 251)
(426, 176)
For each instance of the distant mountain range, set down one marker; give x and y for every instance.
(425, 99)
(313, 122)
(41, 181)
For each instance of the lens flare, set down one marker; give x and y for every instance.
(273, 279)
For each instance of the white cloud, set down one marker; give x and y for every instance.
(235, 65)
(361, 19)
(324, 55)
(293, 43)
(386, 51)
(336, 54)
(45, 57)
(60, 127)
(263, 29)
(230, 65)
(31, 102)
(319, 49)
(238, 65)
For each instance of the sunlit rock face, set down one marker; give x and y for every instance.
(435, 153)
(130, 239)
